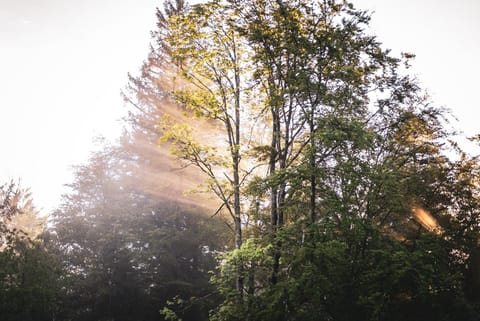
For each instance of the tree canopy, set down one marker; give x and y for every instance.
(322, 181)
(334, 165)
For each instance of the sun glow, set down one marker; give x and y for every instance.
(426, 220)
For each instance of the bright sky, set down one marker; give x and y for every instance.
(62, 66)
(64, 62)
(445, 36)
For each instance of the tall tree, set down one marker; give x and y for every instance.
(211, 57)
(29, 279)
(126, 251)
(213, 84)
(353, 170)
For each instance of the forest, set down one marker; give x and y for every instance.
(277, 163)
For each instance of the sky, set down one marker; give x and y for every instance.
(64, 62)
(445, 36)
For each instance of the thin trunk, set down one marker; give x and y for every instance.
(237, 215)
(312, 169)
(236, 177)
(274, 190)
(272, 169)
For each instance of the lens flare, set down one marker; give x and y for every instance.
(426, 219)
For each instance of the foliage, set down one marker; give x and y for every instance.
(352, 210)
(126, 253)
(346, 193)
(28, 272)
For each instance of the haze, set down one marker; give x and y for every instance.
(64, 62)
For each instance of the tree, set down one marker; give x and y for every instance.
(28, 272)
(211, 84)
(127, 253)
(353, 174)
